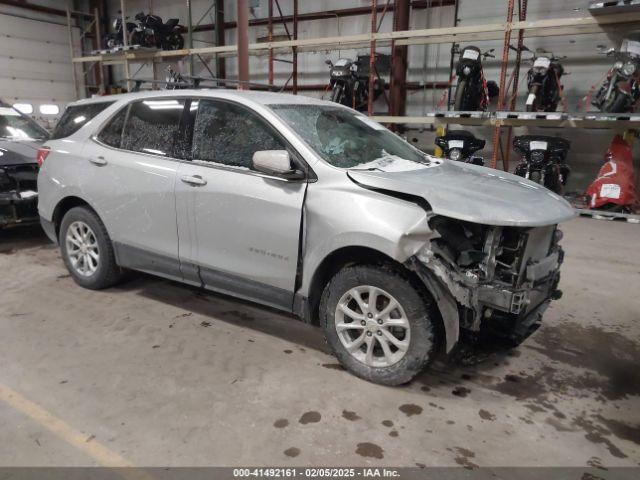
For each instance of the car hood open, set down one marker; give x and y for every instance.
(472, 193)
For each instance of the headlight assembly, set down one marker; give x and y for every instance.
(629, 68)
(618, 65)
(455, 154)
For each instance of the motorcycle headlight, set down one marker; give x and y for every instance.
(618, 65)
(537, 156)
(466, 70)
(455, 154)
(629, 68)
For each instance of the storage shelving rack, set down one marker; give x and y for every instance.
(598, 21)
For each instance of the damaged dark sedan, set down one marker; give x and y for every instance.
(20, 138)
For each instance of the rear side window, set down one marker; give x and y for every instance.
(152, 126)
(75, 116)
(112, 134)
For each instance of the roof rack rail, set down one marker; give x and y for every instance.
(199, 82)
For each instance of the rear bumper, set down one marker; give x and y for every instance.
(16, 209)
(50, 229)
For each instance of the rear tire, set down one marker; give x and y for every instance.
(82, 231)
(173, 41)
(402, 341)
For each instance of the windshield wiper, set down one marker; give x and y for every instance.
(370, 169)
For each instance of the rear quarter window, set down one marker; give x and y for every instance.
(75, 116)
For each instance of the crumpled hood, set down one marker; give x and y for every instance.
(472, 193)
(18, 152)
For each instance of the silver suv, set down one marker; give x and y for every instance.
(308, 207)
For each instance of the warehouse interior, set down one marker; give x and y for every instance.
(158, 373)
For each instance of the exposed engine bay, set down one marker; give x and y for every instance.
(495, 279)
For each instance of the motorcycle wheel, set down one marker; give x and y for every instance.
(534, 106)
(137, 38)
(616, 103)
(552, 181)
(111, 41)
(336, 94)
(462, 102)
(173, 41)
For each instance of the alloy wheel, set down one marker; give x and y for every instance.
(82, 248)
(372, 326)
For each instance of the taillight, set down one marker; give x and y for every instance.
(42, 154)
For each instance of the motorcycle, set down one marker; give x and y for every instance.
(473, 91)
(157, 34)
(620, 92)
(614, 188)
(461, 145)
(115, 39)
(349, 80)
(174, 80)
(543, 160)
(543, 82)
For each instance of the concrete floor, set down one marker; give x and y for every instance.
(154, 373)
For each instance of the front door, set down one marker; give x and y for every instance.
(239, 229)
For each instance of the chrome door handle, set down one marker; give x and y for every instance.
(98, 160)
(195, 180)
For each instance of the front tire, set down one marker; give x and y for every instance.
(336, 93)
(87, 250)
(460, 104)
(616, 103)
(379, 325)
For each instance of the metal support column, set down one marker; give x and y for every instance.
(503, 80)
(270, 36)
(96, 42)
(372, 56)
(522, 16)
(452, 62)
(221, 66)
(190, 35)
(398, 90)
(294, 50)
(74, 74)
(125, 43)
(243, 44)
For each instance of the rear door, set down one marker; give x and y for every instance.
(133, 180)
(239, 229)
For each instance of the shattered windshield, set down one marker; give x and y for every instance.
(347, 139)
(18, 127)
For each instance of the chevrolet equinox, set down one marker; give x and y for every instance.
(308, 207)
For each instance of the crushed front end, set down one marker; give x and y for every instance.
(18, 194)
(500, 279)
